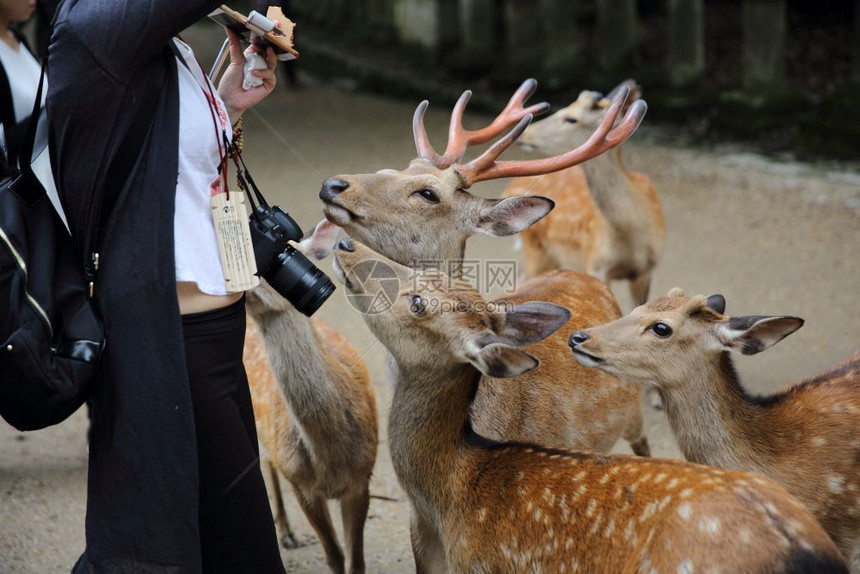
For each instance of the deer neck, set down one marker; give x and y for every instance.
(302, 370)
(427, 427)
(715, 422)
(611, 188)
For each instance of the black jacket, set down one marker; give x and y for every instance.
(142, 489)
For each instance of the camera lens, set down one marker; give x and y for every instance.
(299, 281)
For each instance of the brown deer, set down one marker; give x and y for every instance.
(806, 436)
(424, 213)
(607, 221)
(316, 415)
(479, 505)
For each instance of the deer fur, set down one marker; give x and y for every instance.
(806, 436)
(607, 221)
(479, 505)
(316, 416)
(424, 213)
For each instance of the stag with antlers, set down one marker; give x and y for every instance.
(425, 213)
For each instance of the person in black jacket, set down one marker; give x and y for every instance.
(19, 77)
(173, 483)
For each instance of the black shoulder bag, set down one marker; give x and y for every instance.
(52, 337)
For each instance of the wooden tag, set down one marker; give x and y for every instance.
(234, 241)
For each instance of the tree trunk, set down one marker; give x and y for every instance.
(478, 31)
(562, 38)
(764, 34)
(686, 61)
(856, 51)
(522, 37)
(617, 23)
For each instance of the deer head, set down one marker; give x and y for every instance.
(663, 342)
(558, 132)
(425, 210)
(434, 319)
(316, 246)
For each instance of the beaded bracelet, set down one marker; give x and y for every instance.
(238, 136)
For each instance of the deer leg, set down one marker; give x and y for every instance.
(282, 522)
(535, 257)
(635, 435)
(639, 288)
(353, 508)
(426, 546)
(315, 508)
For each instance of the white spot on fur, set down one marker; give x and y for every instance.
(685, 493)
(685, 567)
(672, 483)
(605, 478)
(834, 483)
(710, 525)
(578, 476)
(649, 511)
(818, 441)
(744, 535)
(592, 506)
(610, 528)
(482, 515)
(628, 531)
(537, 515)
(685, 511)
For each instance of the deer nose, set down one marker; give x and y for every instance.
(346, 244)
(332, 187)
(577, 338)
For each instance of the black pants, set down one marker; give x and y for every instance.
(237, 532)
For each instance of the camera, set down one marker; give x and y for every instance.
(286, 269)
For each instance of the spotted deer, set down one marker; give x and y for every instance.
(425, 213)
(806, 436)
(478, 505)
(316, 415)
(607, 221)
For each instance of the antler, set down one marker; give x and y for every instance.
(459, 139)
(486, 167)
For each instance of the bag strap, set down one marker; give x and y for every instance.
(26, 151)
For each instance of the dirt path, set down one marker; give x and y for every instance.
(774, 238)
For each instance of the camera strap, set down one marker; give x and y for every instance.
(209, 95)
(229, 212)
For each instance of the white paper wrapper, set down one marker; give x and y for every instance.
(253, 62)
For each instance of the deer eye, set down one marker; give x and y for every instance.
(571, 120)
(662, 330)
(417, 305)
(429, 195)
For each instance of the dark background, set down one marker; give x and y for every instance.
(780, 75)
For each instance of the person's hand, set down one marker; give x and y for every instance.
(230, 88)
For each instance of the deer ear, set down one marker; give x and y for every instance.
(533, 321)
(322, 241)
(502, 361)
(755, 333)
(500, 217)
(716, 303)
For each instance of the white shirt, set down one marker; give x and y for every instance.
(23, 72)
(196, 247)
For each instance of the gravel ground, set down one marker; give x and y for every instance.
(773, 237)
